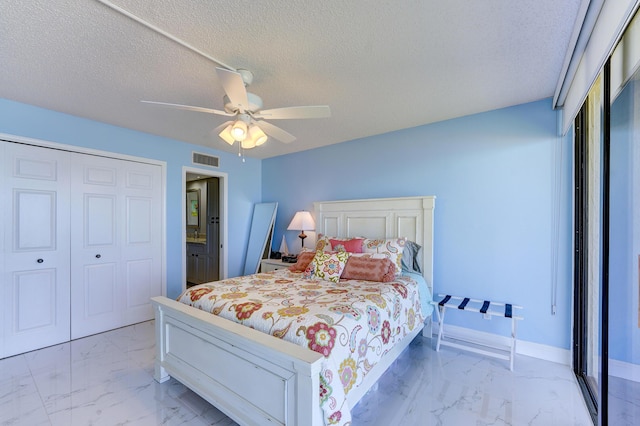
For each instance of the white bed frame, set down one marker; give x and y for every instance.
(256, 378)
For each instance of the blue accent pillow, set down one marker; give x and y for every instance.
(410, 257)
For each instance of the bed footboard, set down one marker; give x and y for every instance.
(252, 377)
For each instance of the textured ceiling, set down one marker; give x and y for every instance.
(380, 65)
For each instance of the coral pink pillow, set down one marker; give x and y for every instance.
(304, 259)
(369, 269)
(353, 245)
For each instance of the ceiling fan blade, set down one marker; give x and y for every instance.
(221, 127)
(234, 88)
(214, 133)
(315, 111)
(276, 132)
(190, 108)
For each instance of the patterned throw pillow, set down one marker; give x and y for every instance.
(368, 255)
(328, 266)
(323, 243)
(304, 258)
(369, 269)
(392, 248)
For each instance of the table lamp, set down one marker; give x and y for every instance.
(302, 221)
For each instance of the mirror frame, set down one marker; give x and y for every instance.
(260, 235)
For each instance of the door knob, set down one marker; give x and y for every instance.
(98, 256)
(40, 260)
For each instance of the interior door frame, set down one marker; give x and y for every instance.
(223, 179)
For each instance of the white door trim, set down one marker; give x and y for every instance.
(224, 238)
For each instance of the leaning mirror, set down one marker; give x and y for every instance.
(264, 217)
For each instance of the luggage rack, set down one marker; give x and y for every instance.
(485, 308)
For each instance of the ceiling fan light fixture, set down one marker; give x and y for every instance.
(239, 130)
(248, 143)
(257, 135)
(226, 136)
(246, 108)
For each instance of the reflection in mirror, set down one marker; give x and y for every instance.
(264, 217)
(193, 208)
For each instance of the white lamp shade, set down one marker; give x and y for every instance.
(226, 136)
(302, 221)
(248, 143)
(257, 135)
(239, 130)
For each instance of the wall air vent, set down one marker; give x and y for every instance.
(207, 160)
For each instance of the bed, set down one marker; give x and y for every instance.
(256, 378)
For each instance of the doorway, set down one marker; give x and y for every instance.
(204, 229)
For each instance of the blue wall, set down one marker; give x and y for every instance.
(494, 175)
(243, 178)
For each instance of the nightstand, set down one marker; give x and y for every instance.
(268, 265)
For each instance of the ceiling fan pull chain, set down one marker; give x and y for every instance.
(240, 151)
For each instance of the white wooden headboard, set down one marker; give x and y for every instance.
(410, 217)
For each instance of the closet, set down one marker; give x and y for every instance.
(80, 241)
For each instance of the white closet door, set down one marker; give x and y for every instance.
(35, 289)
(142, 240)
(116, 243)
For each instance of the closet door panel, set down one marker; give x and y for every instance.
(37, 207)
(139, 274)
(120, 229)
(100, 297)
(139, 218)
(141, 249)
(140, 288)
(99, 256)
(95, 248)
(34, 279)
(99, 220)
(32, 293)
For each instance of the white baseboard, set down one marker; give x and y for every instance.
(624, 370)
(523, 347)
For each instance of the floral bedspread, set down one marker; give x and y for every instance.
(352, 323)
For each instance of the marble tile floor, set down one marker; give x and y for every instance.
(624, 401)
(106, 379)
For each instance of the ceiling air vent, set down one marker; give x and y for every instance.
(207, 160)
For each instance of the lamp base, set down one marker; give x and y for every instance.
(302, 236)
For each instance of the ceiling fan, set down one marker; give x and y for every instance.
(249, 127)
